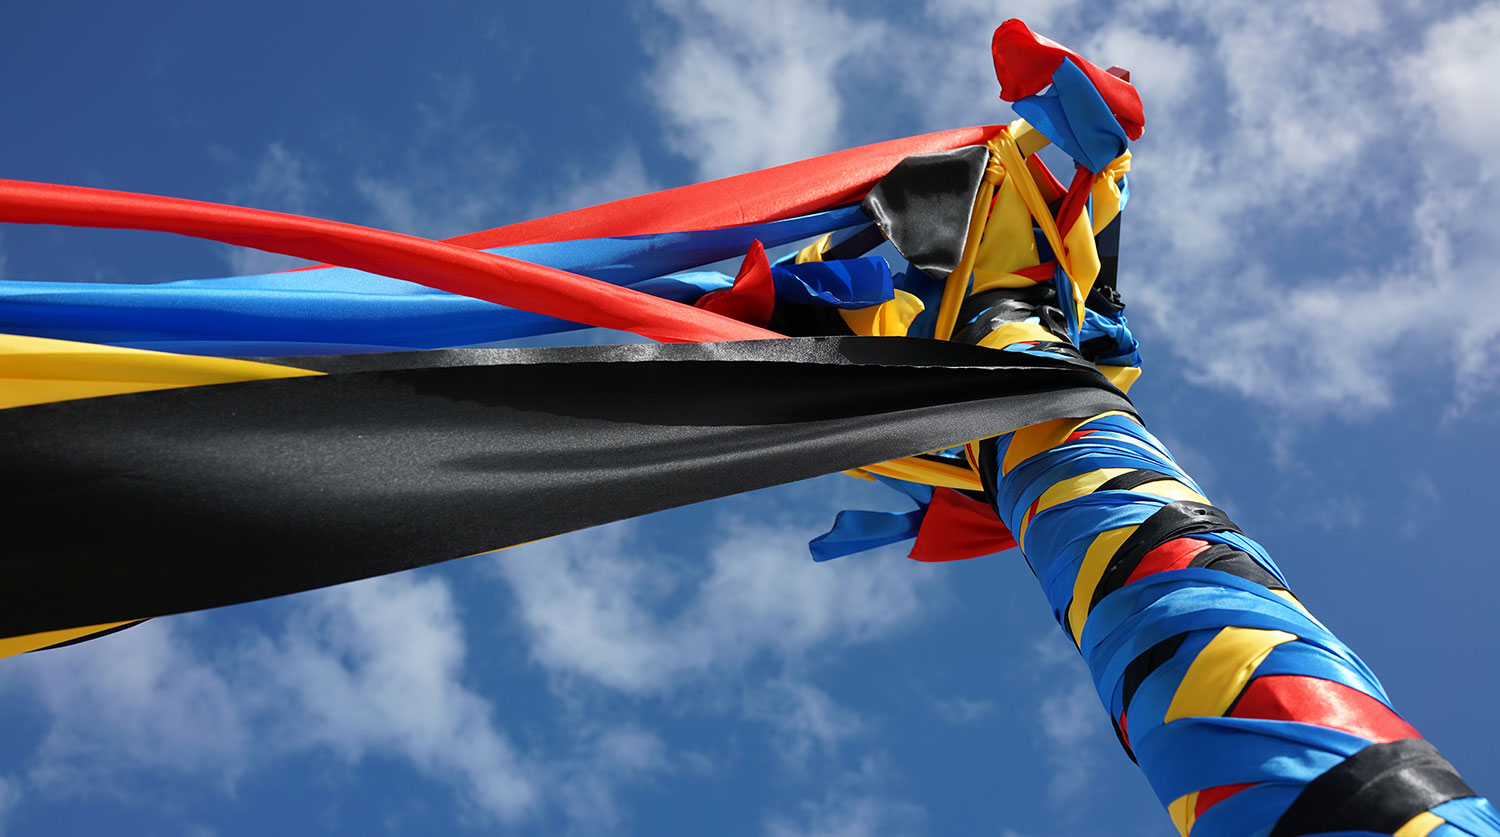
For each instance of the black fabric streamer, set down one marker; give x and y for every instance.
(132, 506)
(923, 206)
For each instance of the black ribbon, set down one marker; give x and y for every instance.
(1377, 789)
(131, 506)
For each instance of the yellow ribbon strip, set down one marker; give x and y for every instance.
(1106, 193)
(1095, 561)
(1030, 441)
(1221, 670)
(1184, 812)
(958, 281)
(891, 318)
(13, 645)
(815, 251)
(1069, 489)
(1122, 376)
(39, 370)
(1421, 825)
(927, 472)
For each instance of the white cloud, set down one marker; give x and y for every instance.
(376, 667)
(1347, 18)
(864, 816)
(1301, 124)
(745, 86)
(631, 749)
(985, 15)
(1069, 722)
(376, 670)
(1074, 728)
(10, 797)
(1453, 75)
(623, 177)
(1165, 70)
(281, 181)
(455, 187)
(807, 722)
(1447, 83)
(1263, 248)
(733, 636)
(452, 178)
(364, 670)
(962, 710)
(856, 805)
(956, 86)
(129, 706)
(450, 187)
(597, 607)
(587, 784)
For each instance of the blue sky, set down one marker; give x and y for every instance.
(1309, 260)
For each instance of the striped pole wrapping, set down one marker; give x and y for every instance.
(1246, 714)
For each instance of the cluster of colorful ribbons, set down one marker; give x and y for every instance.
(323, 425)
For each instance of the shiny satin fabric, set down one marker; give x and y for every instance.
(436, 264)
(334, 310)
(137, 505)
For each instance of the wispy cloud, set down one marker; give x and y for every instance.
(1069, 721)
(622, 176)
(1287, 195)
(451, 177)
(453, 174)
(133, 706)
(282, 181)
(1275, 265)
(376, 668)
(364, 669)
(10, 794)
(373, 670)
(1073, 727)
(598, 607)
(962, 710)
(856, 805)
(806, 722)
(862, 816)
(1282, 210)
(587, 784)
(736, 636)
(744, 86)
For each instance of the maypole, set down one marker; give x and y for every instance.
(288, 423)
(1246, 714)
